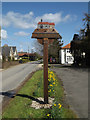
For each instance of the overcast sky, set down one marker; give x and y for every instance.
(19, 19)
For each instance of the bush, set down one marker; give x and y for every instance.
(9, 58)
(13, 59)
(23, 60)
(3, 58)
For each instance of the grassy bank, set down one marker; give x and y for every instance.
(19, 107)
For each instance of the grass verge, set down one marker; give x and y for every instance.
(19, 107)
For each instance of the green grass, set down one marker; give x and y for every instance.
(19, 107)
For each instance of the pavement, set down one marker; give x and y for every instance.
(75, 81)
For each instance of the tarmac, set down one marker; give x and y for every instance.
(75, 81)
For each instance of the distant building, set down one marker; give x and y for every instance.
(0, 54)
(45, 25)
(30, 56)
(9, 51)
(65, 55)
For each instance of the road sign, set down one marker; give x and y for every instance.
(45, 37)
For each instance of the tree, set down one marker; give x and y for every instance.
(53, 50)
(38, 47)
(80, 45)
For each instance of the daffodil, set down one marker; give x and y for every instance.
(54, 104)
(60, 105)
(49, 90)
(50, 76)
(51, 72)
(53, 83)
(48, 115)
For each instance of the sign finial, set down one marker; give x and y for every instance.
(41, 20)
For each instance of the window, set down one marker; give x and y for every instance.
(41, 26)
(68, 51)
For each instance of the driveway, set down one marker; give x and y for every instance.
(75, 81)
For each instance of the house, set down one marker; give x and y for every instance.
(0, 51)
(25, 55)
(0, 54)
(9, 51)
(65, 56)
(45, 25)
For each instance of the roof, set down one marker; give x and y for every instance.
(30, 54)
(45, 33)
(49, 30)
(67, 46)
(21, 54)
(47, 23)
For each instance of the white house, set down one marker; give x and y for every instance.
(13, 52)
(0, 56)
(10, 51)
(45, 25)
(65, 55)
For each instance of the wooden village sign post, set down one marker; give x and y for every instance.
(45, 37)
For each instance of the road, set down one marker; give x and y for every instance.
(75, 83)
(14, 76)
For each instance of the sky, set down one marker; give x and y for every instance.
(19, 19)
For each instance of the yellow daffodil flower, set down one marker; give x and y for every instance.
(60, 105)
(48, 115)
(49, 90)
(51, 85)
(54, 79)
(51, 72)
(54, 83)
(54, 104)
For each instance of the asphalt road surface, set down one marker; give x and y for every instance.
(14, 76)
(75, 82)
